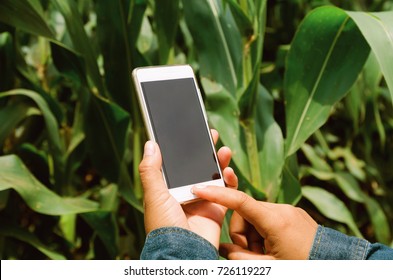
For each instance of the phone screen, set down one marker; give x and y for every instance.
(180, 130)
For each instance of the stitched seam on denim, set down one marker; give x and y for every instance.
(318, 238)
(365, 250)
(360, 249)
(357, 250)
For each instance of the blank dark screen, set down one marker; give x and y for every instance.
(180, 131)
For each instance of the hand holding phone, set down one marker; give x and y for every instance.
(163, 210)
(175, 118)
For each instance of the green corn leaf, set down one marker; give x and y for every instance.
(223, 115)
(290, 190)
(4, 195)
(7, 61)
(352, 190)
(81, 42)
(270, 143)
(316, 161)
(104, 225)
(136, 12)
(107, 127)
(116, 48)
(52, 128)
(377, 29)
(118, 42)
(25, 15)
(242, 18)
(70, 64)
(166, 29)
(349, 186)
(225, 237)
(325, 58)
(15, 175)
(330, 206)
(30, 238)
(50, 120)
(14, 113)
(252, 58)
(367, 86)
(379, 220)
(109, 198)
(29, 17)
(219, 50)
(354, 165)
(67, 225)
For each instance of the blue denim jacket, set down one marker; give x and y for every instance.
(330, 244)
(173, 243)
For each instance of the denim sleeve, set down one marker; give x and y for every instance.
(173, 243)
(330, 244)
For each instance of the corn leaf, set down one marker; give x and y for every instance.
(7, 58)
(104, 225)
(270, 143)
(219, 50)
(30, 238)
(25, 15)
(15, 175)
(166, 29)
(316, 77)
(330, 206)
(377, 29)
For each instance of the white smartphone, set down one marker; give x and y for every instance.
(174, 115)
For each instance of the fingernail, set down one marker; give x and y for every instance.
(150, 148)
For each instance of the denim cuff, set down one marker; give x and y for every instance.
(173, 243)
(330, 244)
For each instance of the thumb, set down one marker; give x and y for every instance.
(150, 169)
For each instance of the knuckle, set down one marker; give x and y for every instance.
(243, 200)
(145, 171)
(143, 167)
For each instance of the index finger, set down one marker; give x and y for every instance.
(258, 213)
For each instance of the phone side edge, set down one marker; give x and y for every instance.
(142, 104)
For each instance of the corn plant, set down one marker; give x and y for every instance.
(301, 91)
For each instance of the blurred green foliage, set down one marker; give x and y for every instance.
(300, 90)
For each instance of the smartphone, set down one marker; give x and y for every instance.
(174, 116)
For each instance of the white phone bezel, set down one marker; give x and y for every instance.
(159, 73)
